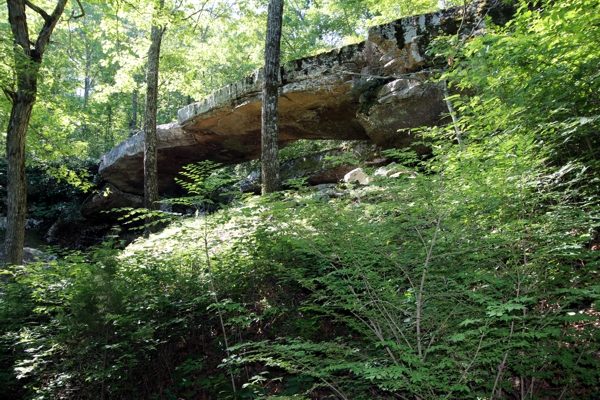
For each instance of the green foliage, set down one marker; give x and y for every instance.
(472, 275)
(536, 75)
(343, 159)
(324, 298)
(304, 147)
(204, 181)
(424, 289)
(54, 188)
(296, 183)
(140, 218)
(87, 323)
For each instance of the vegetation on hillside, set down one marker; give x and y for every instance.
(470, 273)
(90, 83)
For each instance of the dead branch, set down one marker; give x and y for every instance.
(198, 11)
(453, 115)
(73, 16)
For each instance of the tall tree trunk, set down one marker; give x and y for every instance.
(271, 180)
(150, 140)
(134, 112)
(87, 83)
(16, 199)
(28, 58)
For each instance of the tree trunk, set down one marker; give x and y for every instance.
(108, 142)
(134, 111)
(87, 83)
(28, 58)
(16, 199)
(150, 140)
(271, 181)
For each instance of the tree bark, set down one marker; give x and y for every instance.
(150, 139)
(87, 83)
(271, 180)
(134, 110)
(16, 199)
(28, 59)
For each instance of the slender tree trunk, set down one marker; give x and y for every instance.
(28, 58)
(87, 84)
(271, 180)
(134, 111)
(150, 139)
(108, 142)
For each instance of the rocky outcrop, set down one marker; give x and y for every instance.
(325, 167)
(80, 234)
(376, 90)
(110, 197)
(123, 166)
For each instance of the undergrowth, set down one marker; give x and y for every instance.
(472, 273)
(428, 285)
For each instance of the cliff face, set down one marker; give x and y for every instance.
(368, 91)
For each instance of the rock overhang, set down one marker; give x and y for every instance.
(375, 90)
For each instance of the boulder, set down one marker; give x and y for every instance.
(357, 175)
(31, 255)
(252, 183)
(329, 190)
(394, 170)
(386, 171)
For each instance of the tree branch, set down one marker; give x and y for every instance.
(419, 302)
(48, 28)
(453, 115)
(10, 95)
(470, 364)
(199, 11)
(73, 16)
(38, 10)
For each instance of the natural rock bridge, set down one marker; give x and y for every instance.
(370, 91)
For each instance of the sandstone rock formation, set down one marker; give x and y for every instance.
(375, 90)
(110, 197)
(325, 167)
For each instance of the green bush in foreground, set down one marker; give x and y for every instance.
(440, 283)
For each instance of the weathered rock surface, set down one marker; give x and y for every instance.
(353, 93)
(357, 175)
(399, 106)
(123, 166)
(319, 168)
(108, 198)
(80, 234)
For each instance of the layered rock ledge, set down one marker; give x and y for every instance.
(374, 90)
